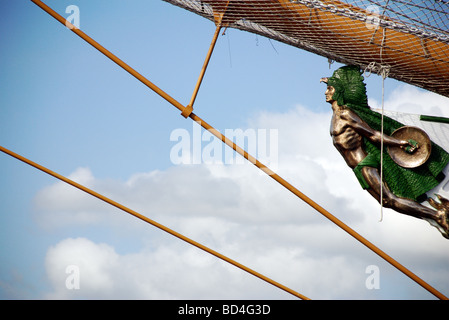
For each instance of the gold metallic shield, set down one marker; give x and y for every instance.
(415, 158)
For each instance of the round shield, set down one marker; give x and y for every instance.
(411, 157)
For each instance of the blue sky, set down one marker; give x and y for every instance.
(66, 106)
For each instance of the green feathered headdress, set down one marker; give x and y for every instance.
(349, 86)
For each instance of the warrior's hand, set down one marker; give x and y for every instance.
(409, 146)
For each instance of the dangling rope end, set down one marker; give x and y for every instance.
(381, 213)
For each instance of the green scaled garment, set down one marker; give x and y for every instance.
(403, 182)
(407, 183)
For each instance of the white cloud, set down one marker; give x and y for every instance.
(64, 205)
(94, 261)
(248, 217)
(409, 99)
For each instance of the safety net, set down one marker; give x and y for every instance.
(407, 40)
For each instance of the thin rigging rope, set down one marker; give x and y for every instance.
(242, 152)
(383, 71)
(382, 156)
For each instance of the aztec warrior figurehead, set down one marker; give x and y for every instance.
(356, 133)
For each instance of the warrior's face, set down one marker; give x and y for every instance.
(329, 93)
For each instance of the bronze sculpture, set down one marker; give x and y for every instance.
(356, 135)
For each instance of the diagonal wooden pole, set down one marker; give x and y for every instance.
(242, 152)
(186, 112)
(150, 221)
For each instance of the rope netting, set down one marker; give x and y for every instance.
(409, 39)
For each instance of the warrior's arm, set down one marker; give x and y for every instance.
(374, 136)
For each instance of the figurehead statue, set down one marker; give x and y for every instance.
(356, 132)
